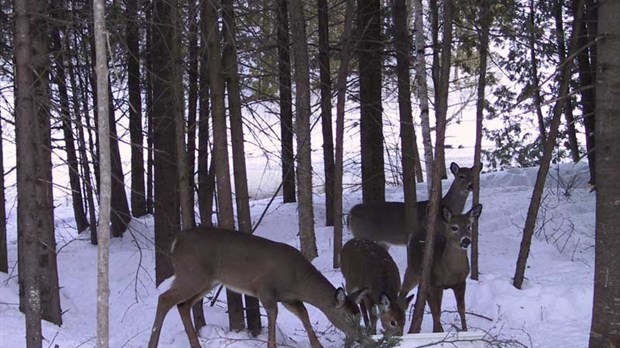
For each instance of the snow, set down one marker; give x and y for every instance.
(552, 310)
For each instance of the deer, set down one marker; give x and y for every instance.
(384, 222)
(450, 266)
(367, 265)
(204, 257)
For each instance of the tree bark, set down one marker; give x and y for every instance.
(150, 161)
(192, 100)
(166, 200)
(4, 257)
(341, 91)
(302, 129)
(138, 199)
(534, 73)
(286, 103)
(485, 21)
(242, 199)
(326, 110)
(438, 166)
(606, 307)
(371, 123)
(220, 149)
(105, 167)
(532, 213)
(423, 90)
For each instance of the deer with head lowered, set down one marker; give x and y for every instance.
(366, 264)
(273, 272)
(384, 222)
(450, 266)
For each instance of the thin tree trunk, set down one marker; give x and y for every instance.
(530, 222)
(220, 149)
(407, 131)
(438, 166)
(4, 257)
(242, 199)
(286, 103)
(150, 162)
(326, 110)
(535, 81)
(166, 200)
(341, 91)
(485, 20)
(423, 90)
(192, 98)
(587, 75)
(105, 190)
(138, 201)
(371, 122)
(302, 127)
(606, 306)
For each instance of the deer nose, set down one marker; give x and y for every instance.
(465, 242)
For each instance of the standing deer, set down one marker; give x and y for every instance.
(365, 264)
(273, 272)
(450, 266)
(384, 222)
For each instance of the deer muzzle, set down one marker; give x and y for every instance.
(465, 242)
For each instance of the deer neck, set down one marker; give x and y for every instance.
(455, 198)
(452, 267)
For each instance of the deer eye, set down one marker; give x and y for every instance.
(462, 176)
(455, 228)
(393, 323)
(469, 227)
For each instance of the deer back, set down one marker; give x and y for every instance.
(366, 264)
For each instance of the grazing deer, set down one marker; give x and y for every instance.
(450, 266)
(365, 264)
(273, 272)
(384, 222)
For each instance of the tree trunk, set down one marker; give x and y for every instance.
(302, 128)
(220, 149)
(532, 213)
(407, 131)
(166, 200)
(105, 190)
(286, 104)
(341, 91)
(485, 21)
(150, 162)
(423, 90)
(138, 200)
(242, 199)
(587, 75)
(438, 166)
(326, 110)
(37, 268)
(606, 307)
(4, 257)
(534, 73)
(371, 123)
(65, 114)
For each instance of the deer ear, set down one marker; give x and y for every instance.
(384, 303)
(340, 297)
(475, 211)
(454, 168)
(446, 213)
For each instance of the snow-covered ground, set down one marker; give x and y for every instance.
(552, 310)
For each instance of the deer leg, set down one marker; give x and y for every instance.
(435, 295)
(410, 281)
(271, 307)
(459, 294)
(300, 311)
(184, 311)
(364, 312)
(372, 313)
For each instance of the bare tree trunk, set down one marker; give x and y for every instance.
(105, 190)
(423, 90)
(341, 91)
(587, 75)
(326, 111)
(485, 21)
(371, 122)
(164, 116)
(242, 199)
(407, 131)
(192, 100)
(438, 166)
(532, 213)
(220, 149)
(138, 201)
(286, 103)
(4, 257)
(534, 72)
(150, 163)
(37, 269)
(302, 127)
(606, 307)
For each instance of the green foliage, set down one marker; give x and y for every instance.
(364, 339)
